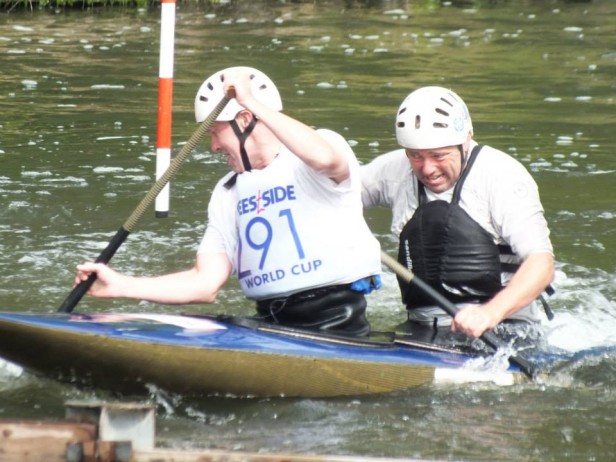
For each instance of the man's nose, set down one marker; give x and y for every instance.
(215, 147)
(428, 164)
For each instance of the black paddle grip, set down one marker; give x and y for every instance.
(82, 288)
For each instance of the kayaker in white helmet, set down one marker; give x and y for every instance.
(287, 220)
(468, 218)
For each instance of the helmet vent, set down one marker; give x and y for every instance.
(417, 121)
(440, 125)
(210, 86)
(442, 112)
(446, 101)
(203, 98)
(401, 124)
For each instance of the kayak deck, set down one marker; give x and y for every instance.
(204, 356)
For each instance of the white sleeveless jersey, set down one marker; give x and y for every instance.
(288, 228)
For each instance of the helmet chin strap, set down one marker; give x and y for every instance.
(242, 136)
(463, 156)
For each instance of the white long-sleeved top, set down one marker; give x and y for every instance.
(499, 194)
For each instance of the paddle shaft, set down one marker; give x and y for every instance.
(451, 309)
(131, 223)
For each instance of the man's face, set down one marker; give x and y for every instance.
(224, 141)
(438, 169)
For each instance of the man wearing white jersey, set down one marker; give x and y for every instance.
(468, 217)
(287, 220)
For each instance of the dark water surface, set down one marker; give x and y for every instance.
(78, 93)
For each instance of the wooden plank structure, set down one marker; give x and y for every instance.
(22, 441)
(120, 432)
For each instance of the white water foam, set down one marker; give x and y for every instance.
(9, 370)
(589, 320)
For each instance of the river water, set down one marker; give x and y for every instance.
(78, 91)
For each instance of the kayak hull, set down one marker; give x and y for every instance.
(131, 353)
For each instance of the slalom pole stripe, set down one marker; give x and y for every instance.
(163, 160)
(165, 102)
(167, 37)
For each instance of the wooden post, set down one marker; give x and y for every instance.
(117, 422)
(22, 441)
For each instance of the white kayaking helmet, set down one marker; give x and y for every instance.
(432, 117)
(212, 90)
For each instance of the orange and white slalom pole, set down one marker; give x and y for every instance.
(165, 101)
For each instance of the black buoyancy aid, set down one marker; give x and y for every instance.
(446, 248)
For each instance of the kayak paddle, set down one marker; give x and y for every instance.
(488, 337)
(130, 224)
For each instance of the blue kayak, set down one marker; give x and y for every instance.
(201, 355)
